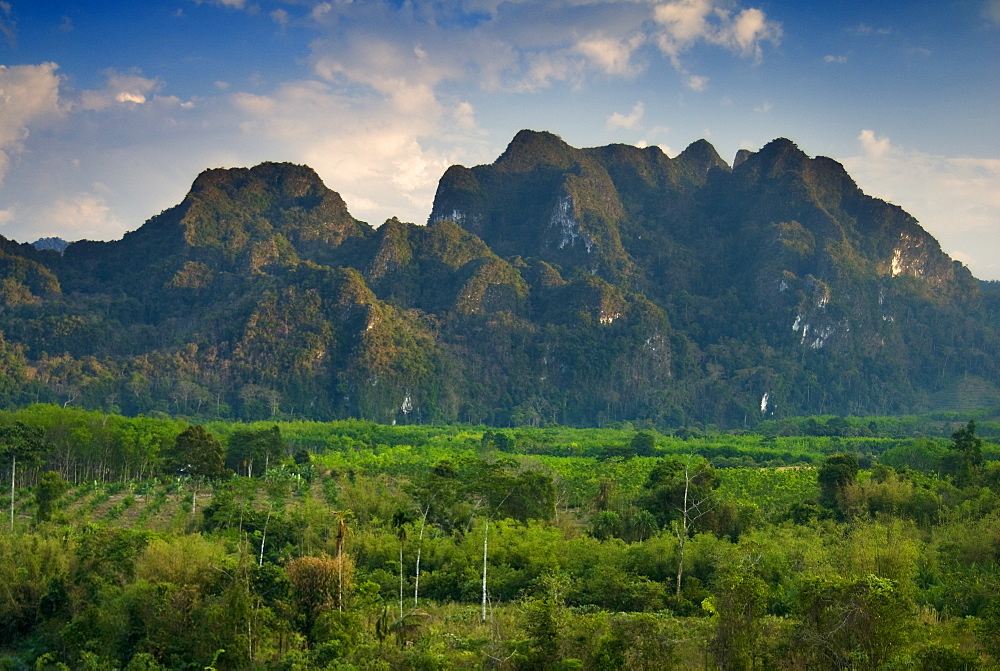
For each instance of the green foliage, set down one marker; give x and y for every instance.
(49, 489)
(644, 443)
(580, 574)
(836, 473)
(577, 286)
(675, 486)
(739, 607)
(845, 622)
(250, 452)
(196, 453)
(965, 458)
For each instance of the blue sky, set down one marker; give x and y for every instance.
(109, 110)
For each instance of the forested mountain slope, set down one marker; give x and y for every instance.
(578, 286)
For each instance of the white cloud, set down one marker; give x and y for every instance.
(612, 56)
(696, 82)
(763, 108)
(120, 88)
(395, 93)
(320, 11)
(85, 214)
(957, 199)
(630, 120)
(367, 147)
(864, 29)
(688, 22)
(464, 115)
(874, 146)
(280, 17)
(829, 58)
(748, 31)
(29, 94)
(235, 4)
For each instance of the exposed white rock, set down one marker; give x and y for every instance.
(562, 219)
(897, 262)
(821, 336)
(763, 402)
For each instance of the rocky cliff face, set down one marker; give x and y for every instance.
(557, 284)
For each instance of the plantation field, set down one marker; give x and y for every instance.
(141, 543)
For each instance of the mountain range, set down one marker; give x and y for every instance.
(555, 285)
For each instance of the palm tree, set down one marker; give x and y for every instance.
(341, 516)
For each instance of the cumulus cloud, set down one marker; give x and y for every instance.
(375, 145)
(696, 82)
(956, 198)
(612, 56)
(29, 95)
(830, 58)
(529, 47)
(874, 146)
(629, 121)
(128, 88)
(84, 215)
(393, 94)
(686, 23)
(465, 116)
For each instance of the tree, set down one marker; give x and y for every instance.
(836, 473)
(342, 530)
(47, 492)
(644, 444)
(681, 494)
(196, 453)
(740, 605)
(399, 521)
(435, 494)
(252, 451)
(318, 584)
(851, 622)
(965, 457)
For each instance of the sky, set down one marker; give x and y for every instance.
(109, 110)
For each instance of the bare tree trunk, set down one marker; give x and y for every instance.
(420, 545)
(13, 475)
(263, 537)
(682, 532)
(692, 509)
(681, 537)
(486, 533)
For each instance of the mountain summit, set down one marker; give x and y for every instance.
(557, 284)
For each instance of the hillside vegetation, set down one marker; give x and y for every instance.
(554, 286)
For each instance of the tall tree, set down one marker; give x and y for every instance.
(965, 457)
(681, 494)
(836, 473)
(196, 453)
(252, 451)
(50, 487)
